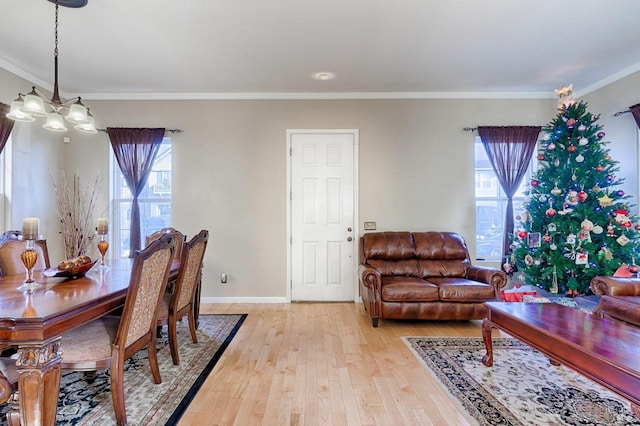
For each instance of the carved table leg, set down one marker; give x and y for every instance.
(39, 382)
(487, 326)
(636, 410)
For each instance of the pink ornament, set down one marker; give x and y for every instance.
(534, 182)
(571, 122)
(600, 135)
(637, 227)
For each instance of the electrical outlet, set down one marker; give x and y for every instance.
(223, 278)
(369, 226)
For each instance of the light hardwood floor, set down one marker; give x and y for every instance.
(323, 364)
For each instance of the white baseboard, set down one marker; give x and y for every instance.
(244, 300)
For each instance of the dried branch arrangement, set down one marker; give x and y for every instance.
(76, 205)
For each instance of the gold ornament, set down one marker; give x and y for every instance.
(605, 200)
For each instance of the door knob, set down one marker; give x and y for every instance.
(349, 229)
(349, 239)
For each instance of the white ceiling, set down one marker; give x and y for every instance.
(196, 49)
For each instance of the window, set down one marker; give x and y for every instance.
(155, 200)
(491, 203)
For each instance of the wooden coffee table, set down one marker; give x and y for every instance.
(605, 350)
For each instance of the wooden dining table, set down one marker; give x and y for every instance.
(33, 322)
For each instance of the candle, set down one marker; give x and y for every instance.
(30, 228)
(103, 225)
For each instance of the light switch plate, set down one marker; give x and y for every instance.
(369, 226)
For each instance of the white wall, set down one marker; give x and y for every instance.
(415, 164)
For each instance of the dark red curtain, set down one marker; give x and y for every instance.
(635, 110)
(135, 151)
(6, 125)
(509, 149)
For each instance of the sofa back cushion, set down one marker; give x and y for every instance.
(391, 253)
(441, 254)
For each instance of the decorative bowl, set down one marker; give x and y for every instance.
(77, 271)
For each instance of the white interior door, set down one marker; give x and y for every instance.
(322, 215)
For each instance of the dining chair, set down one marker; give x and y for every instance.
(107, 342)
(174, 306)
(11, 247)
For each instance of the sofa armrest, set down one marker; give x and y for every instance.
(493, 276)
(369, 276)
(614, 286)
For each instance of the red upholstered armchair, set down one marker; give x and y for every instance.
(424, 276)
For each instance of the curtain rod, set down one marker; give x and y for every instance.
(166, 130)
(619, 113)
(470, 129)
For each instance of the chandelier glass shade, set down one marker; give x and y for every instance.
(34, 104)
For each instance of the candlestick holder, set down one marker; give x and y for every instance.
(103, 246)
(29, 258)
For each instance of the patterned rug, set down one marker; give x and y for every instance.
(83, 402)
(522, 387)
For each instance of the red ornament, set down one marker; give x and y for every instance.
(522, 235)
(546, 238)
(572, 148)
(582, 196)
(627, 224)
(534, 182)
(550, 212)
(571, 122)
(637, 227)
(540, 157)
(599, 168)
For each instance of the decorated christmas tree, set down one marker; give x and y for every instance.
(576, 224)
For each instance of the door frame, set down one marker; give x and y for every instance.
(356, 218)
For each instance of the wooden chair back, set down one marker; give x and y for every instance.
(179, 236)
(148, 283)
(11, 247)
(190, 270)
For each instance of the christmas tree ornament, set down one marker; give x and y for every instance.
(637, 226)
(552, 227)
(522, 235)
(605, 200)
(610, 231)
(620, 193)
(554, 281)
(550, 212)
(597, 229)
(540, 157)
(534, 182)
(599, 168)
(556, 163)
(583, 141)
(528, 260)
(572, 198)
(553, 246)
(600, 135)
(579, 158)
(607, 158)
(595, 189)
(609, 178)
(582, 196)
(556, 190)
(572, 148)
(582, 259)
(546, 137)
(571, 122)
(571, 238)
(573, 176)
(582, 128)
(546, 238)
(551, 146)
(587, 225)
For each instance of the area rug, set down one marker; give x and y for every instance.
(88, 402)
(522, 387)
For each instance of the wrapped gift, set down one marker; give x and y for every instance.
(517, 294)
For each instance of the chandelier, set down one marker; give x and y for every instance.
(27, 106)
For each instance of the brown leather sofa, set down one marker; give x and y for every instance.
(423, 276)
(619, 298)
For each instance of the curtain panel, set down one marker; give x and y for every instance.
(135, 150)
(509, 149)
(6, 125)
(635, 110)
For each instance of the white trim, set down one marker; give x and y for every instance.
(608, 80)
(356, 217)
(244, 300)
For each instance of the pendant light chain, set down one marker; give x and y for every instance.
(55, 50)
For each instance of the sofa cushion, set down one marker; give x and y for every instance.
(388, 246)
(441, 254)
(408, 267)
(626, 308)
(408, 289)
(463, 290)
